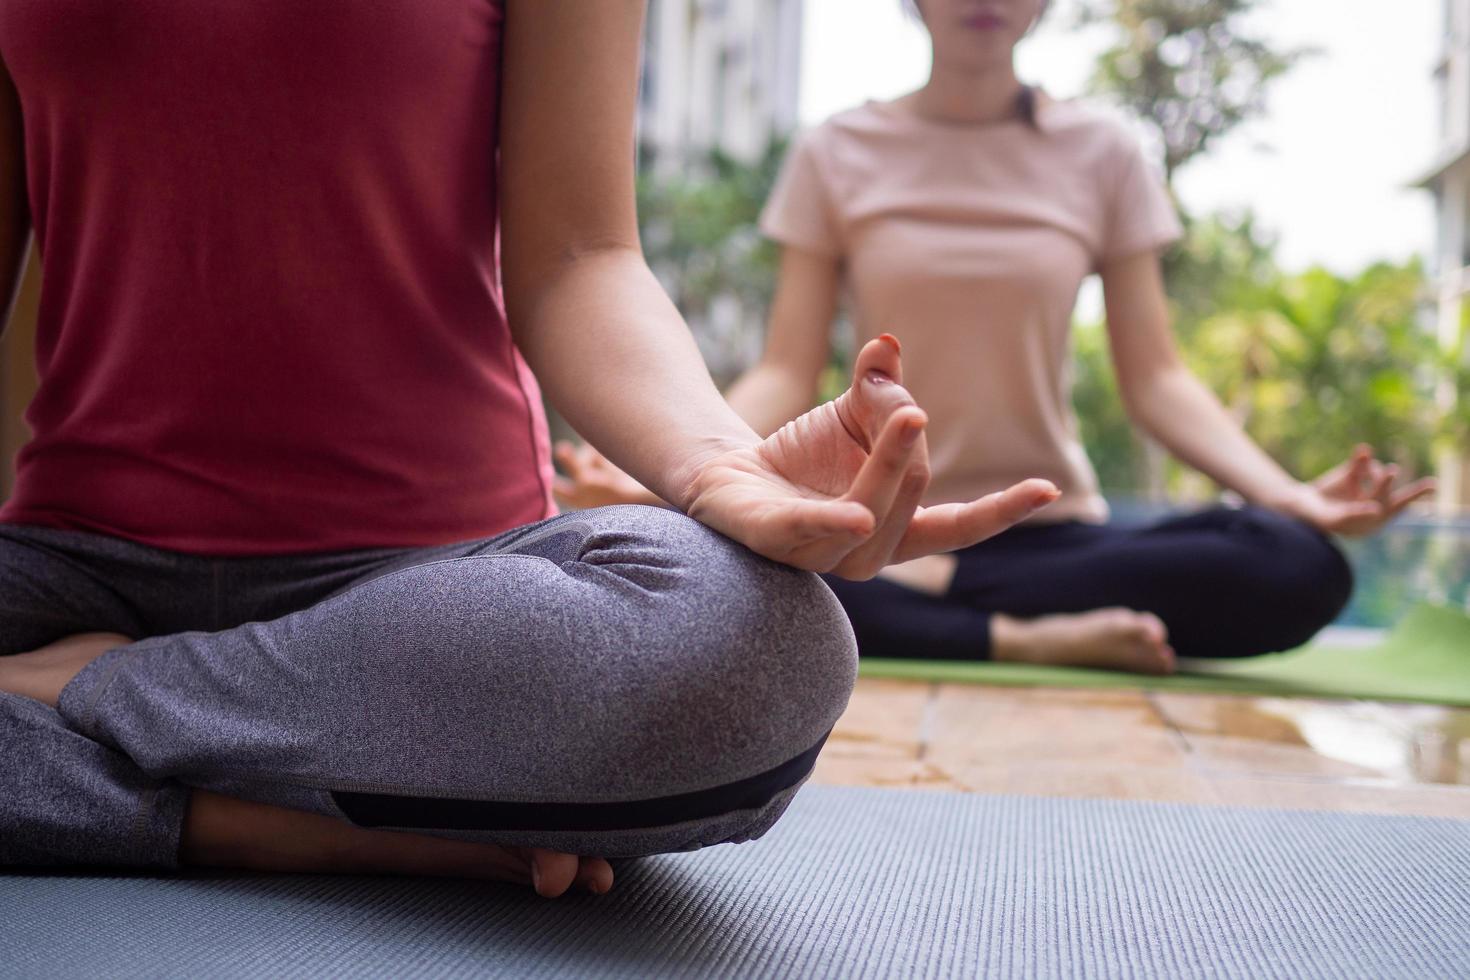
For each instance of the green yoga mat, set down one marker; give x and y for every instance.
(1425, 658)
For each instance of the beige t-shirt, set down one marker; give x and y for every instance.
(969, 243)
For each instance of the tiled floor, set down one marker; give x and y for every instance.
(1329, 755)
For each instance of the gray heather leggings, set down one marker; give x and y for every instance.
(616, 682)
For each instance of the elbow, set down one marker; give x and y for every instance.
(593, 247)
(1145, 395)
(1151, 397)
(1137, 410)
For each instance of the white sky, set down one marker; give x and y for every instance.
(1325, 169)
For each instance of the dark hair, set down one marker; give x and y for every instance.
(1027, 105)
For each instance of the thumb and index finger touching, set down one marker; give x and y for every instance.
(881, 415)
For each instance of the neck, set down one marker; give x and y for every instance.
(969, 96)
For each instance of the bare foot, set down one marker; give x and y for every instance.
(1110, 639)
(41, 674)
(223, 832)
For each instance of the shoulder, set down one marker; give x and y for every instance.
(861, 125)
(1116, 148)
(850, 145)
(869, 119)
(1093, 129)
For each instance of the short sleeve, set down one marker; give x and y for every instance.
(799, 211)
(1141, 215)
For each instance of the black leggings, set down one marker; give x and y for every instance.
(1226, 582)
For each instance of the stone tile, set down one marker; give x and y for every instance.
(974, 726)
(1439, 736)
(883, 720)
(840, 770)
(1172, 784)
(1237, 756)
(1350, 756)
(1331, 740)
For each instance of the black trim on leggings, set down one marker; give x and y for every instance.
(380, 810)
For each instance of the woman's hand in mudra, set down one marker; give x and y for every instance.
(1355, 498)
(838, 489)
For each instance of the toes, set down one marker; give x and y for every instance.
(1155, 660)
(552, 872)
(1170, 660)
(1154, 628)
(1154, 636)
(1134, 625)
(595, 875)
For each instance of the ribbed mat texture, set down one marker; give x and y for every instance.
(853, 883)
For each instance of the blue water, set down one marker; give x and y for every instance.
(1411, 561)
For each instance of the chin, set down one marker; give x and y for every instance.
(978, 62)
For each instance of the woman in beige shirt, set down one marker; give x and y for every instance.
(963, 218)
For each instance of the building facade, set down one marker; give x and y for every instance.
(718, 74)
(1449, 181)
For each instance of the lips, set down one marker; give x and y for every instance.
(985, 22)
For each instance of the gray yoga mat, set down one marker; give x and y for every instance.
(853, 883)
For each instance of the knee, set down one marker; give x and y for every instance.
(1304, 577)
(643, 661)
(756, 658)
(780, 641)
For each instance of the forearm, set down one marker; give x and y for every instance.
(618, 362)
(1178, 410)
(769, 395)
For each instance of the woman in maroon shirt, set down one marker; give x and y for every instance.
(262, 587)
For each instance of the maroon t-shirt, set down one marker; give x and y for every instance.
(270, 316)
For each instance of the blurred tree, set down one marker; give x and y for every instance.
(1223, 262)
(1191, 67)
(1194, 71)
(1103, 425)
(1310, 363)
(1320, 362)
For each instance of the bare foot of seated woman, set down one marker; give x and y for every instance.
(222, 832)
(1109, 639)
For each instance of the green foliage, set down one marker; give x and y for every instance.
(1189, 66)
(1223, 262)
(1311, 363)
(700, 236)
(1335, 361)
(1103, 426)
